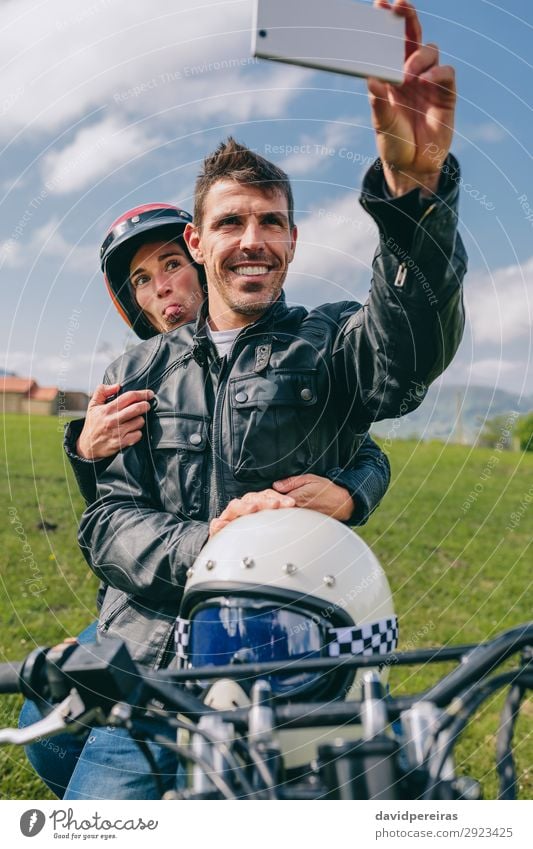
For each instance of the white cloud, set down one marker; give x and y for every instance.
(80, 371)
(96, 150)
(47, 240)
(237, 97)
(495, 372)
(12, 254)
(333, 258)
(333, 139)
(488, 131)
(172, 59)
(500, 303)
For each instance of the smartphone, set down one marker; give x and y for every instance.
(341, 36)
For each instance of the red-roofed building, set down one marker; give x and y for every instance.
(16, 385)
(24, 395)
(44, 400)
(44, 393)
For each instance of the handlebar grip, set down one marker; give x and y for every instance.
(10, 677)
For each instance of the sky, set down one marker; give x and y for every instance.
(108, 104)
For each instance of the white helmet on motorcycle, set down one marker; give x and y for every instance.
(282, 586)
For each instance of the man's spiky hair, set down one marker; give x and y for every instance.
(234, 161)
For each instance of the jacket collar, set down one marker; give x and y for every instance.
(275, 313)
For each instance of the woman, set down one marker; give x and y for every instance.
(156, 287)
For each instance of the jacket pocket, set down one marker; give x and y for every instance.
(146, 631)
(178, 447)
(273, 424)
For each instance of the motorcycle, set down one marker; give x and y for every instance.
(404, 748)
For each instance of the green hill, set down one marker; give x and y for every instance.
(456, 412)
(453, 534)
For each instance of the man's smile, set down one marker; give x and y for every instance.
(251, 270)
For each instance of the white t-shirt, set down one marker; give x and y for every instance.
(222, 339)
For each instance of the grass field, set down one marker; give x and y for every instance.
(453, 534)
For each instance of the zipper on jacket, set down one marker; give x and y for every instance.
(399, 280)
(166, 647)
(216, 442)
(188, 355)
(104, 626)
(401, 274)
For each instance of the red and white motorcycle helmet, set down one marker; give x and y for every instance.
(159, 222)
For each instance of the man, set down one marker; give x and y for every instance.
(258, 389)
(156, 287)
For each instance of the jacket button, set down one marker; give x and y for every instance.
(306, 394)
(195, 439)
(241, 397)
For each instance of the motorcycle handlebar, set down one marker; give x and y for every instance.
(477, 660)
(479, 663)
(10, 677)
(109, 663)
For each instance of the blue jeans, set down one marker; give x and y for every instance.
(54, 758)
(111, 766)
(102, 763)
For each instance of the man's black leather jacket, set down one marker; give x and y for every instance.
(366, 480)
(296, 394)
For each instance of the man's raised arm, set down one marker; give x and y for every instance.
(387, 354)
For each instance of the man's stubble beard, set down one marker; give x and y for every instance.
(247, 308)
(251, 309)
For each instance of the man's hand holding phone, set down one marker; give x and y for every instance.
(414, 121)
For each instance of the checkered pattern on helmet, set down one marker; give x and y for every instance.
(379, 637)
(181, 637)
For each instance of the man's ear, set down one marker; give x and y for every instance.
(294, 238)
(191, 235)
